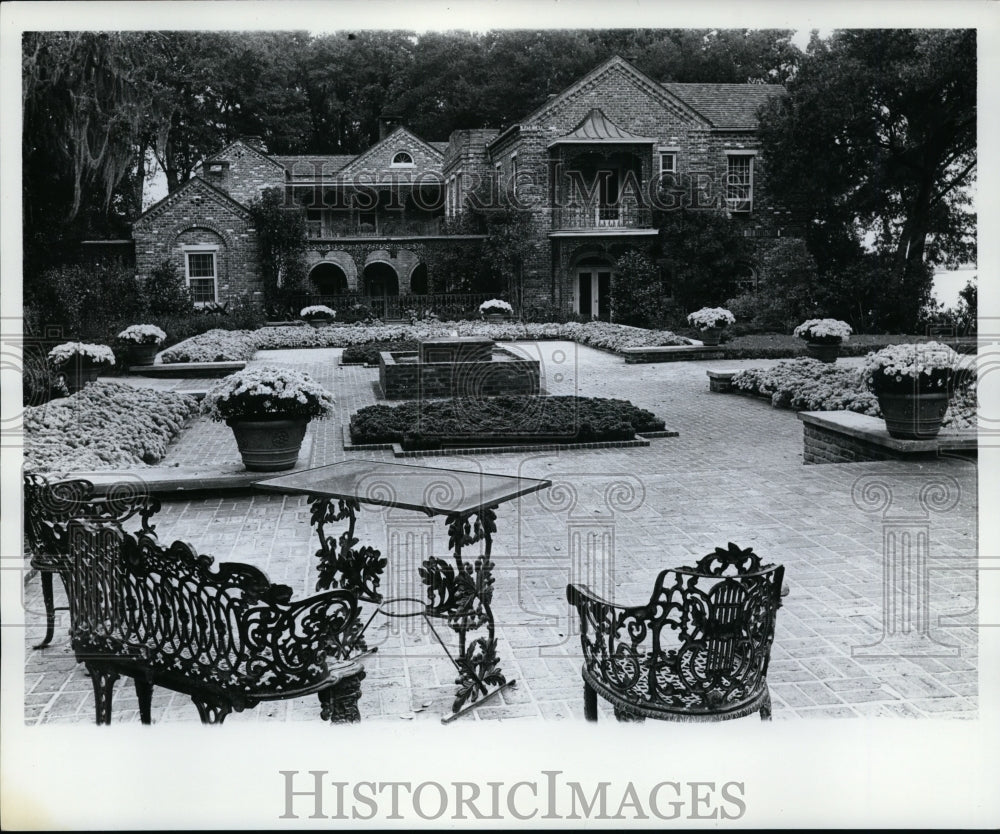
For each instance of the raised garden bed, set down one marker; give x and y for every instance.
(368, 354)
(495, 420)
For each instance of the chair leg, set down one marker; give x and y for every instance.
(339, 704)
(211, 712)
(104, 684)
(144, 692)
(48, 600)
(765, 708)
(589, 702)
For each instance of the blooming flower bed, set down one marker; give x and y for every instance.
(811, 385)
(215, 346)
(236, 345)
(107, 425)
(257, 393)
(571, 419)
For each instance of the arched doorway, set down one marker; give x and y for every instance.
(418, 280)
(380, 282)
(591, 279)
(328, 279)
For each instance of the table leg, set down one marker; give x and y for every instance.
(342, 564)
(463, 594)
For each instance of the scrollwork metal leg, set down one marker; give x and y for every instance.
(48, 599)
(344, 565)
(104, 684)
(339, 704)
(211, 712)
(765, 708)
(144, 692)
(589, 702)
(463, 594)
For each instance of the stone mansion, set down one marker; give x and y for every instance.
(592, 165)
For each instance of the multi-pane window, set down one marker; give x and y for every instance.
(402, 160)
(513, 175)
(201, 277)
(668, 162)
(739, 182)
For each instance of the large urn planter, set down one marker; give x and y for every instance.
(823, 351)
(497, 318)
(269, 444)
(79, 374)
(320, 321)
(711, 336)
(912, 409)
(143, 354)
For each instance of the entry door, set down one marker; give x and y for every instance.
(593, 289)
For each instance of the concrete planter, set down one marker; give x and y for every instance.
(143, 354)
(269, 445)
(823, 351)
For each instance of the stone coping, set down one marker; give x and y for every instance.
(187, 369)
(671, 353)
(872, 430)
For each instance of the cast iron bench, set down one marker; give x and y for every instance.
(697, 651)
(225, 636)
(49, 506)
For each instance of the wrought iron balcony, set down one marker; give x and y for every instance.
(609, 218)
(382, 227)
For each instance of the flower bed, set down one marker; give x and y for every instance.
(107, 425)
(367, 354)
(811, 385)
(216, 346)
(571, 419)
(236, 345)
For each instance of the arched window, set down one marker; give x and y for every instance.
(402, 160)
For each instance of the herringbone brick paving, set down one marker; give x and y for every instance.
(734, 473)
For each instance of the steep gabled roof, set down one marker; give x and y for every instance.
(243, 144)
(596, 127)
(357, 164)
(726, 105)
(619, 65)
(195, 183)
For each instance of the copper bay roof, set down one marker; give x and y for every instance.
(596, 127)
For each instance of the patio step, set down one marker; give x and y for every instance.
(187, 369)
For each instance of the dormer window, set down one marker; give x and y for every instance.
(403, 159)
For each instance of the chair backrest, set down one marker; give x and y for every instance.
(700, 645)
(135, 602)
(49, 506)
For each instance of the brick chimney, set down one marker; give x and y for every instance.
(254, 142)
(387, 124)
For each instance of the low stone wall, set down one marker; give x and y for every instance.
(848, 437)
(403, 377)
(670, 353)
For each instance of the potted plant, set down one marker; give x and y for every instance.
(143, 342)
(496, 310)
(79, 363)
(913, 384)
(318, 315)
(711, 321)
(268, 410)
(823, 337)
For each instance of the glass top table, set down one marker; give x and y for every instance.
(458, 590)
(422, 488)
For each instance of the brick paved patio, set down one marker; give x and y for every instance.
(734, 473)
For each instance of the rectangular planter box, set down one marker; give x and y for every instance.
(403, 376)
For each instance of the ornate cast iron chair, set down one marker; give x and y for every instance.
(697, 651)
(225, 636)
(48, 509)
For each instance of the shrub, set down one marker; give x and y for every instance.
(637, 293)
(166, 292)
(809, 385)
(107, 425)
(572, 419)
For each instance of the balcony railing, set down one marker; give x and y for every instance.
(353, 306)
(601, 217)
(382, 227)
